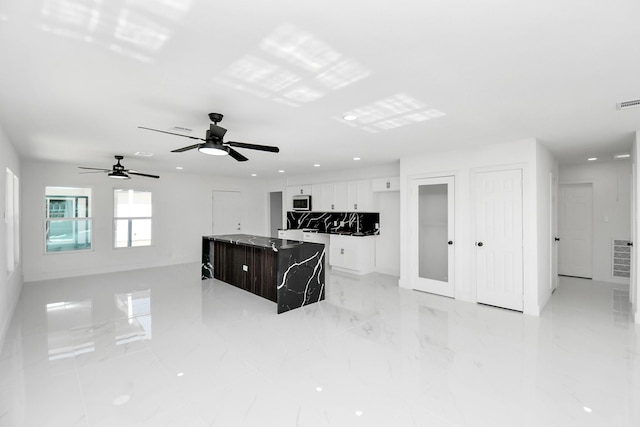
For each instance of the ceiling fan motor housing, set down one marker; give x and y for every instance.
(215, 117)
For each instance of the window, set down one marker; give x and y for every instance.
(68, 220)
(12, 220)
(132, 222)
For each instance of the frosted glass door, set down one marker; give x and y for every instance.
(433, 209)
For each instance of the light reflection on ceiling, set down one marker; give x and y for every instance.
(135, 31)
(292, 67)
(390, 113)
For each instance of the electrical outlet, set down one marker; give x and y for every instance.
(245, 268)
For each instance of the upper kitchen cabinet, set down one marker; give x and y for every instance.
(385, 184)
(296, 190)
(360, 197)
(333, 197)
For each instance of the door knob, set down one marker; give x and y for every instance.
(479, 244)
(450, 242)
(557, 239)
(629, 243)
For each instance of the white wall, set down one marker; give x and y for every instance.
(182, 214)
(611, 199)
(635, 261)
(462, 164)
(388, 242)
(546, 176)
(10, 284)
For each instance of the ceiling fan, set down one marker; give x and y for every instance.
(213, 143)
(118, 171)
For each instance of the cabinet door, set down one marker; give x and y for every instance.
(340, 197)
(328, 198)
(385, 184)
(336, 252)
(317, 204)
(352, 196)
(365, 200)
(360, 196)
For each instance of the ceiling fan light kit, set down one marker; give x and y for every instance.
(213, 149)
(214, 145)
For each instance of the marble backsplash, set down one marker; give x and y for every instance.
(326, 222)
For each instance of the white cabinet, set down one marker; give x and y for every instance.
(351, 254)
(360, 197)
(385, 184)
(334, 198)
(296, 190)
(290, 234)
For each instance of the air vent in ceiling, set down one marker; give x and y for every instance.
(628, 104)
(181, 129)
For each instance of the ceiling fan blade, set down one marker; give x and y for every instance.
(190, 147)
(142, 174)
(104, 171)
(239, 157)
(95, 169)
(171, 133)
(253, 146)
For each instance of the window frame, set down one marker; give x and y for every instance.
(12, 220)
(130, 220)
(88, 218)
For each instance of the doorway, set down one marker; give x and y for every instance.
(275, 212)
(575, 230)
(226, 212)
(433, 204)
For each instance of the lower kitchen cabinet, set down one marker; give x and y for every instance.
(249, 268)
(352, 254)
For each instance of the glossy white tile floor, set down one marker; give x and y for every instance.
(161, 347)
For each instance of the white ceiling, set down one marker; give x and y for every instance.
(77, 78)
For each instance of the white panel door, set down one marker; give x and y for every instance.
(432, 207)
(498, 217)
(575, 230)
(226, 212)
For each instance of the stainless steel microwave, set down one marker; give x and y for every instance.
(302, 203)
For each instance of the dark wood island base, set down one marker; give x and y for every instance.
(287, 272)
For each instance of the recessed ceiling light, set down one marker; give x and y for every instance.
(359, 413)
(591, 159)
(253, 174)
(181, 374)
(350, 117)
(179, 168)
(316, 165)
(356, 158)
(143, 154)
(622, 156)
(587, 409)
(281, 171)
(318, 389)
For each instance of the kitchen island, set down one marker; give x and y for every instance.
(287, 272)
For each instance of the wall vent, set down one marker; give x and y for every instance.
(628, 104)
(621, 258)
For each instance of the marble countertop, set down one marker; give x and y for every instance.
(258, 241)
(339, 233)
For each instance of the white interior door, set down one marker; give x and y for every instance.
(226, 212)
(553, 191)
(498, 216)
(575, 230)
(433, 254)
